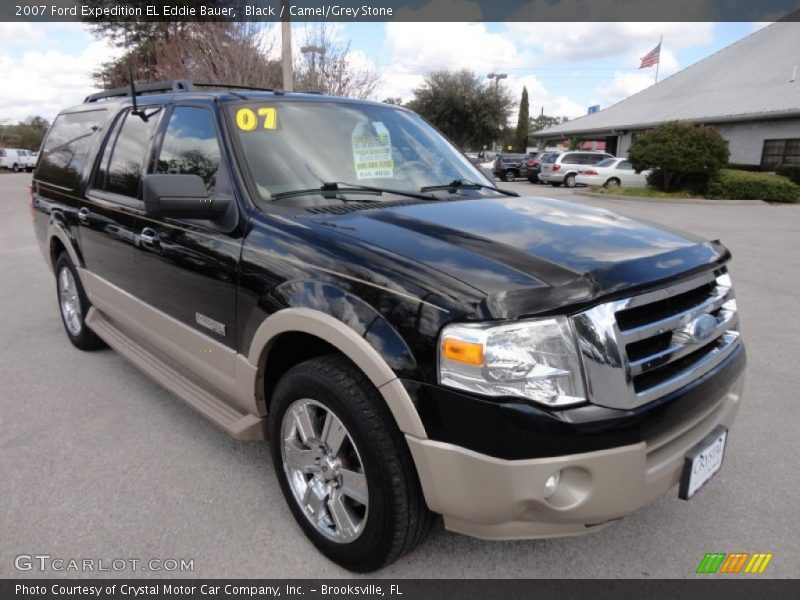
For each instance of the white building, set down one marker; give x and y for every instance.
(749, 91)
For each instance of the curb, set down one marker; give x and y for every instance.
(701, 201)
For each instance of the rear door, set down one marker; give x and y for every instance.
(113, 202)
(572, 161)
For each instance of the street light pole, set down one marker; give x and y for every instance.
(286, 49)
(497, 77)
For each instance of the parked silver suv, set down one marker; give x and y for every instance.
(562, 167)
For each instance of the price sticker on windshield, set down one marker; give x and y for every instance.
(249, 119)
(372, 151)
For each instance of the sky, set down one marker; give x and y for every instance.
(566, 67)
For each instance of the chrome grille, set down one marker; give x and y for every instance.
(644, 347)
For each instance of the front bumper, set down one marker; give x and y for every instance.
(493, 498)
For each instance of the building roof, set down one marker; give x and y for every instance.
(750, 79)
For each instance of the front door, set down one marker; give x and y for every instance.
(187, 269)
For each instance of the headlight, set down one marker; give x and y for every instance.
(536, 359)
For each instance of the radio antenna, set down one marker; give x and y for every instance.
(135, 110)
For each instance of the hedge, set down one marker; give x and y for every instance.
(744, 185)
(791, 172)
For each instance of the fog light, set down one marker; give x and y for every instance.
(551, 484)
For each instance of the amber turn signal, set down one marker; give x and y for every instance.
(465, 352)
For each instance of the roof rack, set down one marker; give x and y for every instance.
(229, 86)
(176, 85)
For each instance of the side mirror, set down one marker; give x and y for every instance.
(181, 197)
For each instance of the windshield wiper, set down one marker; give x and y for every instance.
(460, 184)
(331, 188)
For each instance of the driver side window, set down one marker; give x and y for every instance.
(190, 145)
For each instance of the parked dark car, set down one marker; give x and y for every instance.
(333, 277)
(530, 167)
(509, 166)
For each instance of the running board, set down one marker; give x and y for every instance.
(239, 424)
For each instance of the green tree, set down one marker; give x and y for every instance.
(462, 107)
(523, 122)
(679, 154)
(542, 122)
(26, 134)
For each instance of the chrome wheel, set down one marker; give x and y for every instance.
(70, 301)
(324, 470)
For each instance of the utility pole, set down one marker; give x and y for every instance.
(286, 48)
(497, 77)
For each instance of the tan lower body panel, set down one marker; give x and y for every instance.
(207, 375)
(239, 424)
(492, 498)
(222, 384)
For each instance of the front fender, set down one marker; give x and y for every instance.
(356, 314)
(356, 330)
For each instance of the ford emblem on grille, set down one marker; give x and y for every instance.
(700, 328)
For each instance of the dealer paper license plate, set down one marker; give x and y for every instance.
(703, 462)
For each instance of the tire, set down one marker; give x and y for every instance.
(532, 180)
(73, 305)
(569, 180)
(613, 182)
(555, 183)
(393, 518)
(15, 168)
(509, 175)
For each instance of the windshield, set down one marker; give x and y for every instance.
(607, 162)
(290, 146)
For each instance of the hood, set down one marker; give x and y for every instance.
(527, 254)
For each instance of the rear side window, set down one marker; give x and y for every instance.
(190, 145)
(66, 149)
(125, 154)
(572, 159)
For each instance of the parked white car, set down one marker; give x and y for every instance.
(17, 159)
(10, 159)
(28, 159)
(612, 172)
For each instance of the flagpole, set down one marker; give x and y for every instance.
(658, 64)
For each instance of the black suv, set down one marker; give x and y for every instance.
(510, 166)
(333, 276)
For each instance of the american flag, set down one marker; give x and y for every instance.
(652, 57)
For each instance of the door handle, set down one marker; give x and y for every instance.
(83, 215)
(148, 236)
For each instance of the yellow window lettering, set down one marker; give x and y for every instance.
(270, 117)
(245, 119)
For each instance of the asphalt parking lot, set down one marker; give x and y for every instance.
(96, 461)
